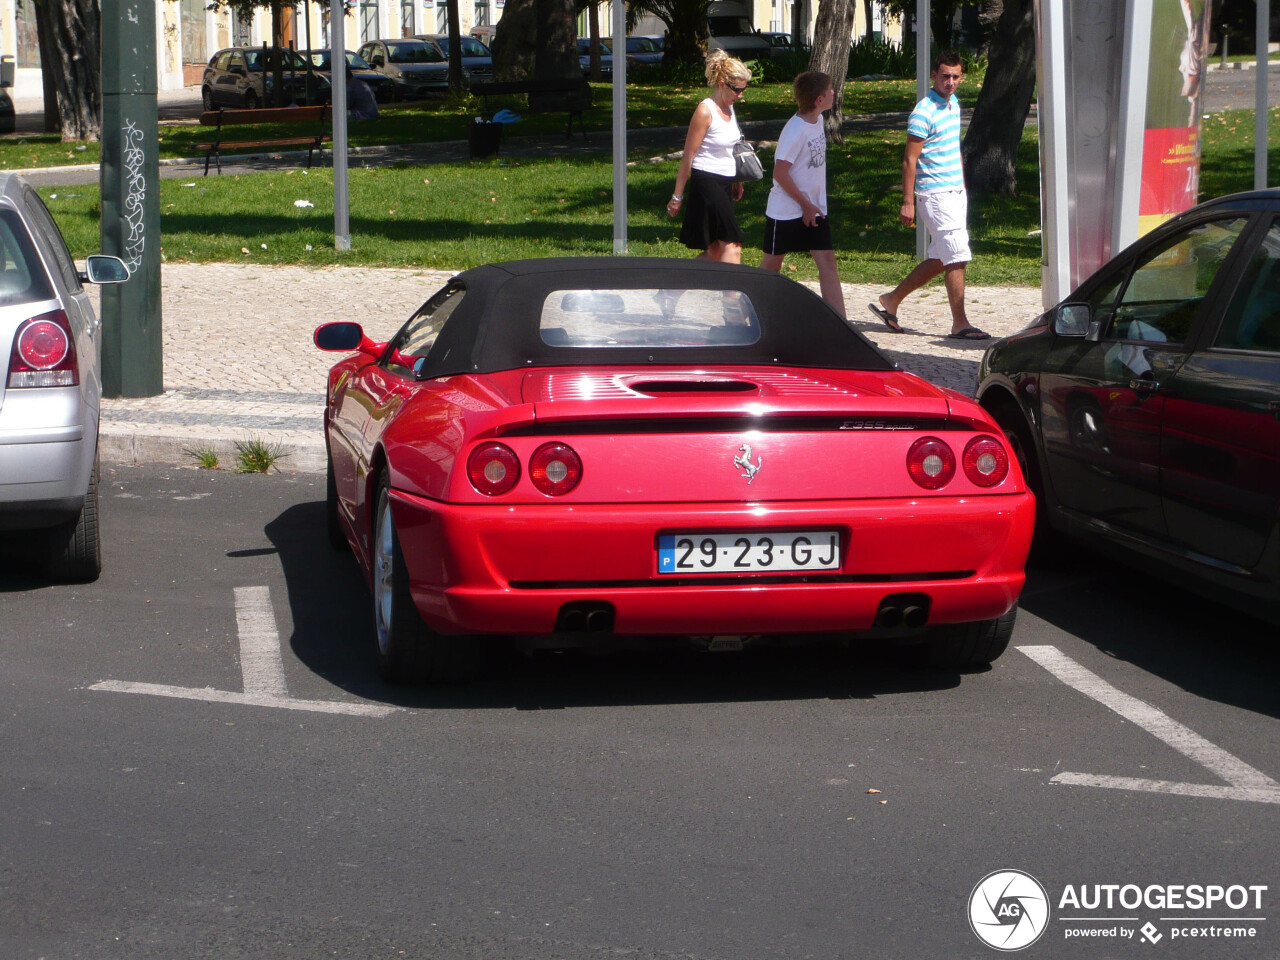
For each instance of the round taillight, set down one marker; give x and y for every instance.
(43, 345)
(555, 469)
(985, 461)
(931, 463)
(493, 468)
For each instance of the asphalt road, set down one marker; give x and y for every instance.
(198, 760)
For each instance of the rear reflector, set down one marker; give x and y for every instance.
(931, 463)
(44, 353)
(493, 468)
(985, 461)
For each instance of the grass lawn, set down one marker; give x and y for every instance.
(434, 121)
(453, 216)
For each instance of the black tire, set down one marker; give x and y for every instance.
(251, 101)
(73, 551)
(1018, 433)
(968, 646)
(406, 649)
(206, 97)
(333, 527)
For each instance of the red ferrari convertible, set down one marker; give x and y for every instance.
(585, 449)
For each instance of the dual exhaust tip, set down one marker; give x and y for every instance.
(903, 611)
(585, 616)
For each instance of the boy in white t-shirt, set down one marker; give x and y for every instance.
(796, 216)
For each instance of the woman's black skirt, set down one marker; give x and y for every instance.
(709, 212)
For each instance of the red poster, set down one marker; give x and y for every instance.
(1170, 170)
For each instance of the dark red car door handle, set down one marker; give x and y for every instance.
(1144, 387)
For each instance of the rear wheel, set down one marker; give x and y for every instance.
(407, 649)
(251, 101)
(963, 646)
(73, 551)
(206, 97)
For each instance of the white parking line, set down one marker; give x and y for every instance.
(261, 667)
(1246, 783)
(260, 662)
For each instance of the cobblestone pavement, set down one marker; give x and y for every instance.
(239, 363)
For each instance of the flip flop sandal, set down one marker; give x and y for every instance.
(889, 319)
(969, 333)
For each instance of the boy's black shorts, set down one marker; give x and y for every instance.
(792, 236)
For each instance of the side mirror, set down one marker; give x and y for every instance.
(100, 268)
(1072, 319)
(343, 336)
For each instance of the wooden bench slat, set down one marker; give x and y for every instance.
(225, 119)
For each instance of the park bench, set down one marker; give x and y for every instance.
(573, 97)
(229, 121)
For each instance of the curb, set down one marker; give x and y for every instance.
(133, 449)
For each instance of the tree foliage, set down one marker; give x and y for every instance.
(686, 23)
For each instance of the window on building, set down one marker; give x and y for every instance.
(25, 29)
(368, 20)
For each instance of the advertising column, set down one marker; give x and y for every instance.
(1171, 136)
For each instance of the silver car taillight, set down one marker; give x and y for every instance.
(44, 353)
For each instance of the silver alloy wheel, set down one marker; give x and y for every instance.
(383, 573)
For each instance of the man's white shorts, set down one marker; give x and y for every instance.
(945, 215)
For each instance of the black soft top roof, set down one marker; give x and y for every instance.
(496, 326)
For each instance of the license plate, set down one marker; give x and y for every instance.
(748, 552)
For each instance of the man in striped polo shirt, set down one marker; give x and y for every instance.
(933, 185)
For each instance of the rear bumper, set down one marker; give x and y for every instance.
(46, 462)
(486, 569)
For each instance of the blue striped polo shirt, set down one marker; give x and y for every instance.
(937, 122)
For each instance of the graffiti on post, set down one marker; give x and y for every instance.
(135, 195)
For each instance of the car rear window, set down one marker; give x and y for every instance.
(649, 318)
(22, 276)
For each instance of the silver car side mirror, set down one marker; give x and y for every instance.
(1072, 319)
(100, 268)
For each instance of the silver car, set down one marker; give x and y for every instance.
(51, 390)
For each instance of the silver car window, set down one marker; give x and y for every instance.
(52, 237)
(22, 278)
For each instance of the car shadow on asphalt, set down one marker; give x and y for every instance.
(1204, 647)
(333, 636)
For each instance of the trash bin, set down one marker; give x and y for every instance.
(484, 138)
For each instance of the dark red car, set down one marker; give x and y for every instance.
(583, 449)
(1145, 408)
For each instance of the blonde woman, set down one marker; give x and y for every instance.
(705, 189)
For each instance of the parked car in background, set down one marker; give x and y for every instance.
(1145, 407)
(484, 32)
(584, 57)
(644, 51)
(477, 61)
(8, 115)
(730, 28)
(417, 67)
(383, 87)
(51, 391)
(245, 77)
(784, 43)
(590, 451)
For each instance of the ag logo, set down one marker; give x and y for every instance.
(1008, 910)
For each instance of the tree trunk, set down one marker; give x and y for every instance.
(515, 40)
(991, 143)
(593, 48)
(866, 19)
(557, 41)
(832, 34)
(71, 63)
(456, 85)
(942, 15)
(687, 33)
